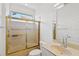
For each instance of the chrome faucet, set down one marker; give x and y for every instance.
(65, 41)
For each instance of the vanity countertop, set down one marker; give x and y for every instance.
(58, 51)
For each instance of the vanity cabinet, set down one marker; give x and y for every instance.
(46, 52)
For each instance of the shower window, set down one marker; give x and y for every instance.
(20, 15)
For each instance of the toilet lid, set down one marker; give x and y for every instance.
(35, 52)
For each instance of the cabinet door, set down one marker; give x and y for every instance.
(45, 52)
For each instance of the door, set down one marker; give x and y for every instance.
(32, 34)
(16, 35)
(21, 34)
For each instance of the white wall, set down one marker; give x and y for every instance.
(2, 30)
(46, 13)
(68, 21)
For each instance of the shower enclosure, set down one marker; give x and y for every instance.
(21, 34)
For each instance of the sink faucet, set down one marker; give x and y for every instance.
(65, 41)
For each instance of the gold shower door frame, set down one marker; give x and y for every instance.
(10, 18)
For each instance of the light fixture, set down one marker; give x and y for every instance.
(62, 5)
(56, 4)
(59, 5)
(26, 4)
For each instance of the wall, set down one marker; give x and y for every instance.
(2, 30)
(46, 14)
(68, 22)
(4, 11)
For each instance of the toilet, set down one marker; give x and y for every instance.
(35, 52)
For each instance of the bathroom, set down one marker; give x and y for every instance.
(39, 29)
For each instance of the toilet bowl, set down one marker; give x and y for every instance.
(35, 52)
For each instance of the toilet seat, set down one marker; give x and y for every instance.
(35, 52)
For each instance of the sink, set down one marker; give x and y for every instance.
(60, 50)
(67, 52)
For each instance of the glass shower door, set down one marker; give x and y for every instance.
(17, 36)
(32, 34)
(22, 34)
